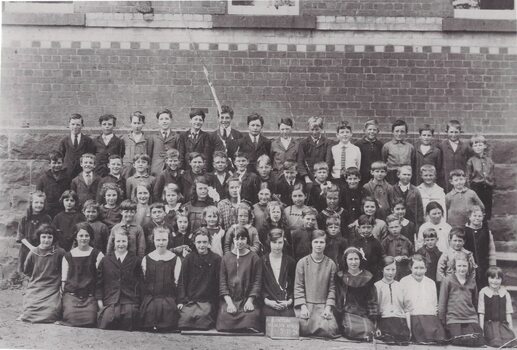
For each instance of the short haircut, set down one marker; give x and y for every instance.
(495, 272)
(358, 252)
(128, 204)
(352, 171)
(318, 234)
(107, 187)
(87, 155)
(428, 168)
(309, 211)
(241, 154)
(106, 117)
(255, 116)
(225, 109)
(333, 220)
(453, 124)
(83, 226)
(234, 179)
(398, 201)
(404, 167)
(399, 122)
(157, 205)
(54, 156)
(332, 189)
(458, 232)
(164, 111)
(46, 229)
(289, 164)
(194, 155)
(461, 256)
(416, 258)
(241, 232)
(315, 120)
(161, 230)
(286, 121)
(275, 234)
(172, 153)
(320, 165)
(478, 138)
(263, 159)
(142, 156)
(456, 173)
(433, 205)
(379, 165)
(387, 260)
(69, 194)
(114, 156)
(211, 209)
(137, 114)
(365, 220)
(391, 218)
(202, 231)
(430, 233)
(370, 122)
(91, 204)
(196, 112)
(174, 188)
(426, 127)
(220, 154)
(475, 208)
(76, 116)
(343, 125)
(247, 207)
(369, 199)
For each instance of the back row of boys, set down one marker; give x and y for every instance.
(170, 157)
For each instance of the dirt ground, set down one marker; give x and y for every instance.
(19, 335)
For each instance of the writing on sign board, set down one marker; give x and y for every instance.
(282, 327)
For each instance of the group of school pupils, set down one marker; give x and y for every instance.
(164, 231)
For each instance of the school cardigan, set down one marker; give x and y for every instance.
(283, 288)
(371, 151)
(199, 279)
(188, 143)
(119, 283)
(115, 146)
(310, 153)
(159, 149)
(456, 301)
(458, 205)
(53, 187)
(244, 144)
(72, 155)
(279, 154)
(314, 282)
(413, 200)
(85, 192)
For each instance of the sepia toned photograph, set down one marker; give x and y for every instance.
(258, 174)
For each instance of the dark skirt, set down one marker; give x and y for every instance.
(196, 315)
(394, 330)
(316, 325)
(498, 334)
(268, 311)
(427, 329)
(466, 334)
(239, 321)
(357, 327)
(159, 312)
(119, 316)
(79, 312)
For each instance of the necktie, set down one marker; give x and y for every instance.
(119, 261)
(76, 140)
(88, 179)
(255, 141)
(343, 158)
(164, 134)
(225, 134)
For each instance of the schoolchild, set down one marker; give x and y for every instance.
(128, 227)
(455, 154)
(344, 154)
(380, 189)
(371, 149)
(135, 142)
(459, 200)
(195, 140)
(86, 183)
(101, 232)
(435, 220)
(73, 146)
(427, 152)
(398, 151)
(107, 144)
(115, 176)
(160, 143)
(430, 252)
(141, 163)
(53, 183)
(429, 189)
(109, 208)
(64, 221)
(283, 147)
(171, 174)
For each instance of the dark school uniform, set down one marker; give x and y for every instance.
(246, 145)
(371, 151)
(452, 160)
(53, 185)
(280, 289)
(84, 191)
(310, 152)
(72, 154)
(103, 151)
(64, 223)
(166, 177)
(200, 143)
(159, 146)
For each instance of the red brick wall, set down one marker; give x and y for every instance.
(43, 85)
(396, 8)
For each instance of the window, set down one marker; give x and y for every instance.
(264, 7)
(485, 9)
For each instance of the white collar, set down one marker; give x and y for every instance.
(121, 257)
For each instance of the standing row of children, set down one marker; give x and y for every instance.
(273, 185)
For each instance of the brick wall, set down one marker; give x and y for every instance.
(43, 82)
(184, 6)
(398, 8)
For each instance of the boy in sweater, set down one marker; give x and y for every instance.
(459, 200)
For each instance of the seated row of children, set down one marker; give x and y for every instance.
(164, 292)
